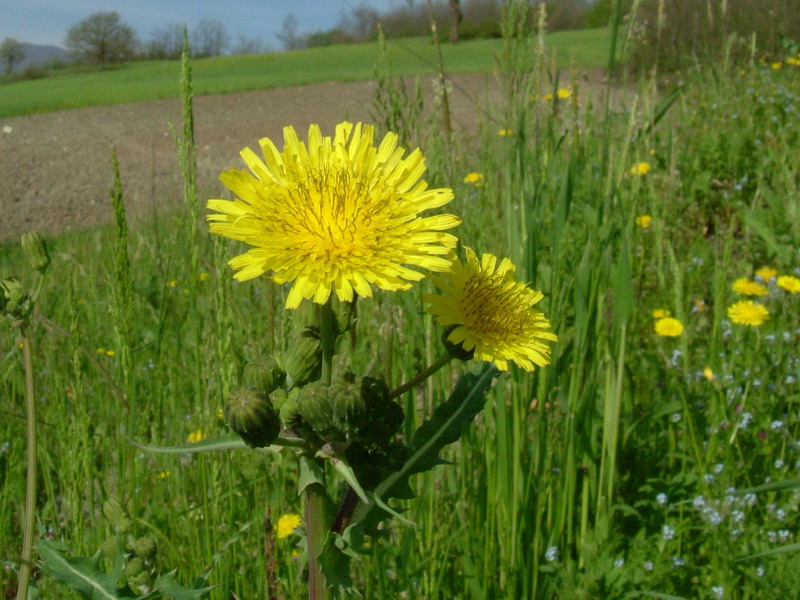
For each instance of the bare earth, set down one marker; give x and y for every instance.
(56, 168)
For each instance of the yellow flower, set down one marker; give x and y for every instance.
(491, 312)
(564, 93)
(641, 168)
(101, 350)
(335, 214)
(195, 436)
(474, 178)
(644, 221)
(202, 276)
(505, 132)
(767, 273)
(287, 524)
(163, 475)
(668, 327)
(745, 287)
(795, 62)
(220, 414)
(747, 312)
(789, 283)
(776, 65)
(110, 353)
(708, 374)
(172, 283)
(661, 313)
(547, 97)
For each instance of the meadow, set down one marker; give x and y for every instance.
(658, 455)
(149, 80)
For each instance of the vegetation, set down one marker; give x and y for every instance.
(102, 39)
(657, 456)
(146, 80)
(11, 52)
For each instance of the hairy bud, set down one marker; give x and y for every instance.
(250, 413)
(303, 360)
(265, 374)
(36, 251)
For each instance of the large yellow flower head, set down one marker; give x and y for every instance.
(492, 312)
(337, 214)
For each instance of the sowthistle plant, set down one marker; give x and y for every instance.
(336, 217)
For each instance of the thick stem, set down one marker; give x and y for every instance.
(30, 487)
(328, 329)
(316, 532)
(422, 376)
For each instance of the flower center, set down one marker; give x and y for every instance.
(492, 310)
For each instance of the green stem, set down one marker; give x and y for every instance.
(422, 376)
(316, 532)
(315, 494)
(30, 488)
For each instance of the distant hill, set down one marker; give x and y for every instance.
(36, 55)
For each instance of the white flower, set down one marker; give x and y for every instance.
(551, 555)
(662, 498)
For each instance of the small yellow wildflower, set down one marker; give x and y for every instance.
(505, 132)
(767, 273)
(220, 414)
(101, 350)
(110, 353)
(795, 62)
(661, 313)
(547, 97)
(789, 283)
(163, 475)
(202, 276)
(172, 283)
(747, 312)
(195, 436)
(668, 327)
(640, 168)
(644, 221)
(708, 374)
(745, 287)
(475, 179)
(776, 65)
(287, 524)
(564, 93)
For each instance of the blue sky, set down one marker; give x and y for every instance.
(46, 21)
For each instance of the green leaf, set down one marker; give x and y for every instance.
(168, 586)
(80, 573)
(445, 426)
(311, 472)
(335, 565)
(773, 551)
(346, 471)
(228, 441)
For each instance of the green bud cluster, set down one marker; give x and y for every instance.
(140, 570)
(357, 411)
(36, 251)
(14, 297)
(302, 361)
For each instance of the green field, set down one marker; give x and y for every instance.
(158, 79)
(656, 456)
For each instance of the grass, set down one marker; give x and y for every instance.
(624, 469)
(148, 80)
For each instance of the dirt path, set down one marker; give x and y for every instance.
(56, 168)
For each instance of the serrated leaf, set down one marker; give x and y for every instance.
(346, 471)
(228, 441)
(445, 426)
(81, 574)
(169, 586)
(311, 472)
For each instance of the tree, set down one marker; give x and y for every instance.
(288, 35)
(11, 52)
(102, 38)
(166, 42)
(210, 38)
(455, 20)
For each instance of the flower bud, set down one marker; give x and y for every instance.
(15, 295)
(145, 548)
(116, 515)
(456, 350)
(134, 567)
(303, 360)
(345, 314)
(250, 413)
(265, 374)
(315, 407)
(36, 250)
